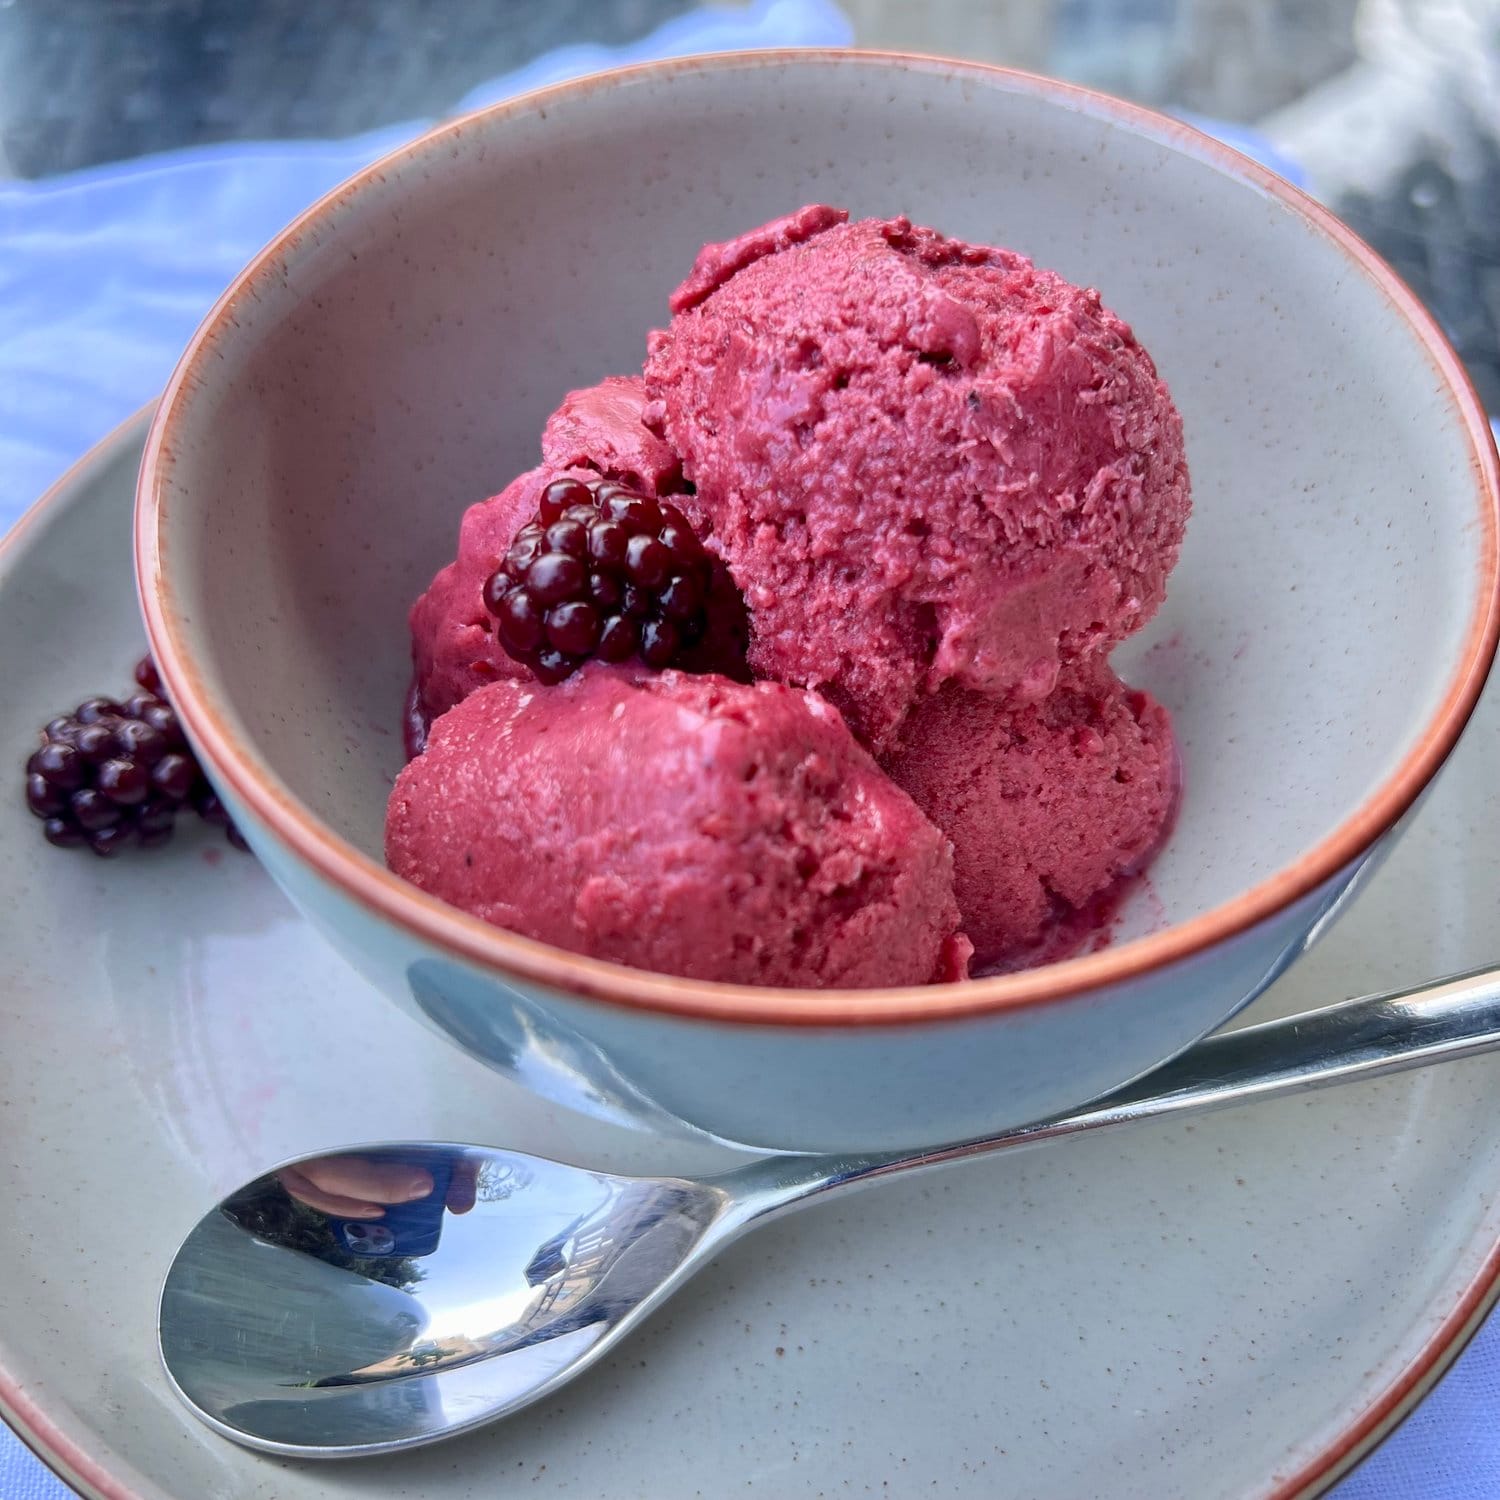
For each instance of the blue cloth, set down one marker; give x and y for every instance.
(1249, 142)
(103, 276)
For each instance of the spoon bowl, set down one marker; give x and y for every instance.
(297, 1347)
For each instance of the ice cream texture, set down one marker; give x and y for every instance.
(940, 485)
(924, 462)
(683, 823)
(1050, 806)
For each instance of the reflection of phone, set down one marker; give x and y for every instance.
(404, 1228)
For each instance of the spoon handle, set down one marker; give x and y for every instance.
(1365, 1038)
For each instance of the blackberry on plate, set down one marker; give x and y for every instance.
(114, 774)
(602, 571)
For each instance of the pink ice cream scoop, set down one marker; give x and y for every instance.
(1050, 806)
(682, 823)
(924, 462)
(600, 428)
(453, 643)
(595, 431)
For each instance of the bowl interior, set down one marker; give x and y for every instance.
(394, 358)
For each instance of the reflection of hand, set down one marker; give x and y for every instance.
(358, 1187)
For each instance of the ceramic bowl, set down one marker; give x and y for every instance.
(391, 358)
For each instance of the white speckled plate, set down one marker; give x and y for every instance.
(1233, 1308)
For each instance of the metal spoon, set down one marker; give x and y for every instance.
(316, 1336)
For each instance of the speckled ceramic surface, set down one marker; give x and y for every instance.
(1185, 1312)
(391, 358)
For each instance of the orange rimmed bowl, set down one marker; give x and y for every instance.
(391, 357)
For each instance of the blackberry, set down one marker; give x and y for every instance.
(114, 774)
(148, 677)
(208, 807)
(602, 571)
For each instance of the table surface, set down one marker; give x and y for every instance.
(1392, 108)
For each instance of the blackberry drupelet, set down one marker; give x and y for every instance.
(602, 571)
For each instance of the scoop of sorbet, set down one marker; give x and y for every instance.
(682, 823)
(924, 462)
(1051, 807)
